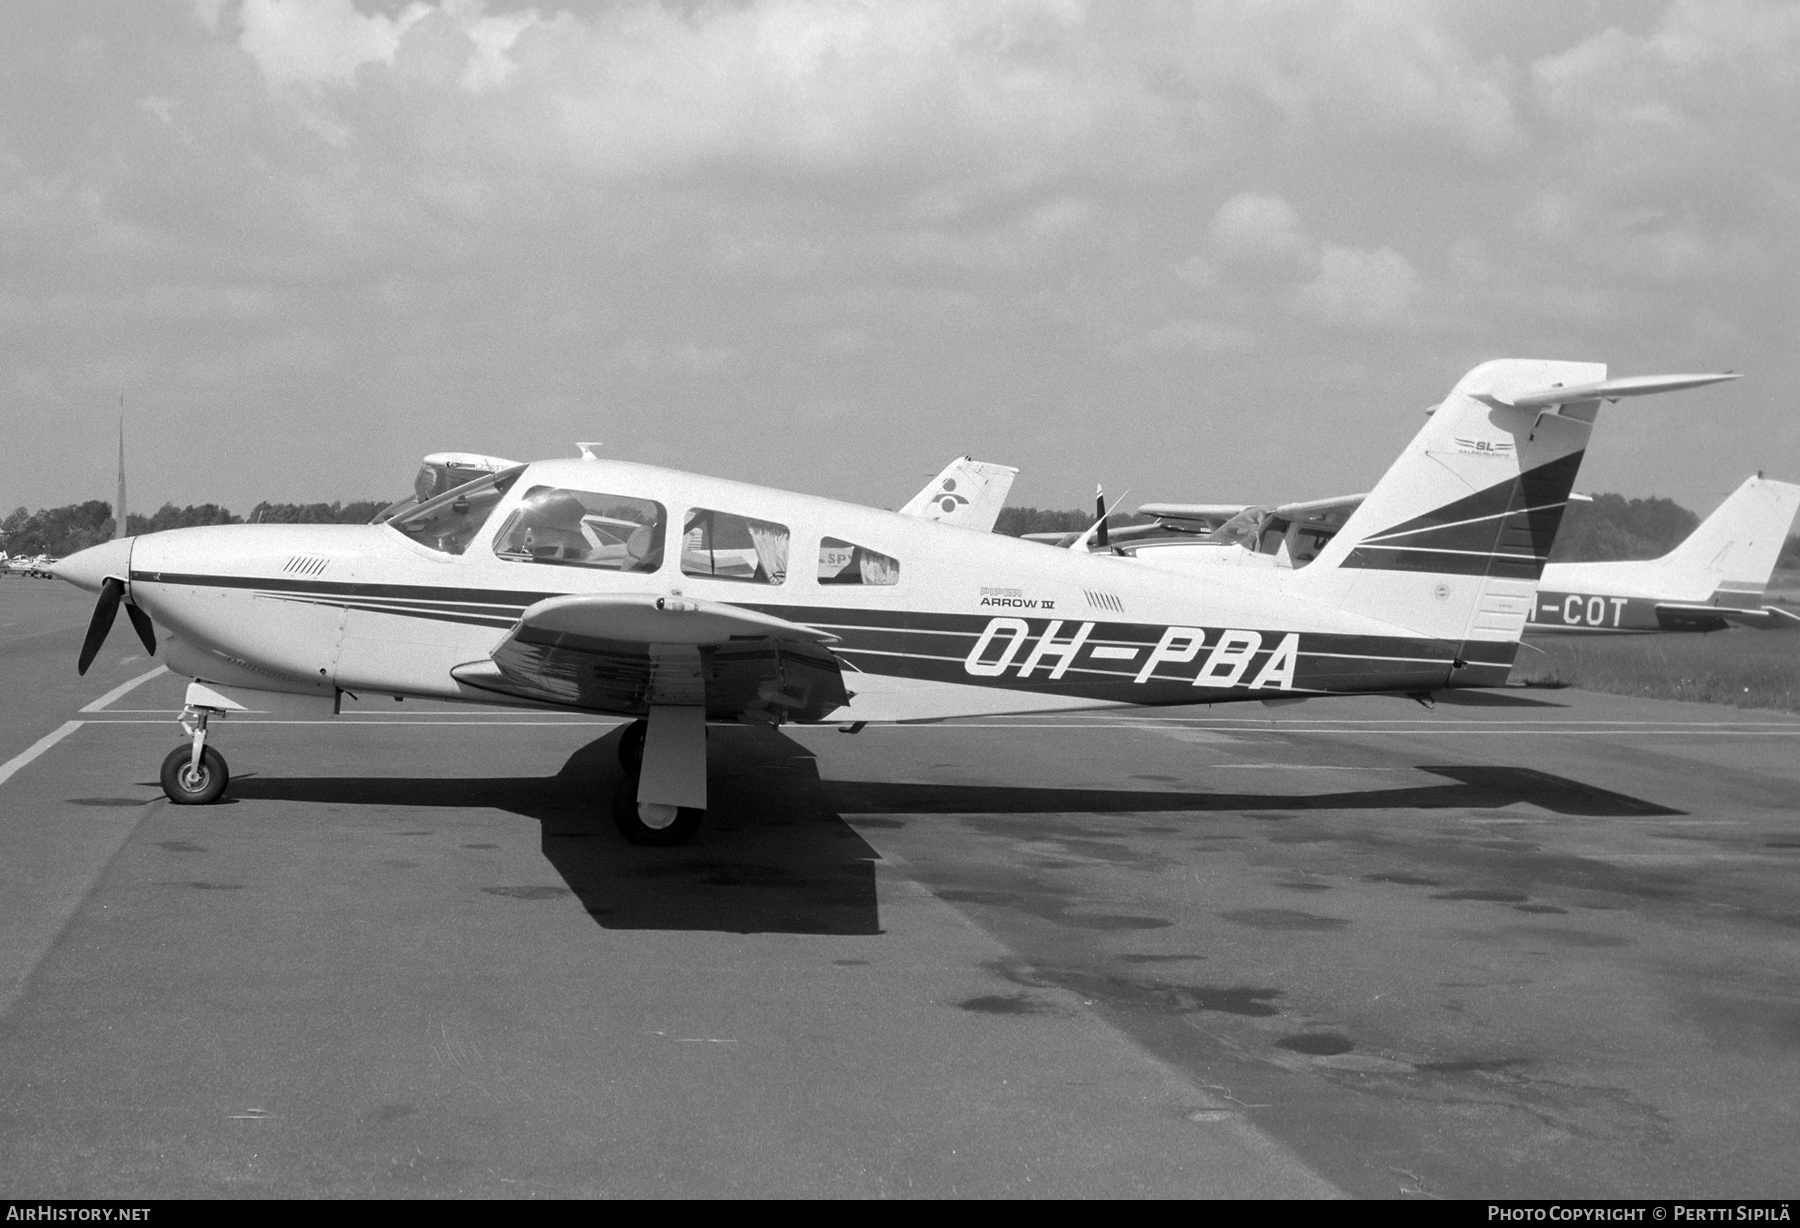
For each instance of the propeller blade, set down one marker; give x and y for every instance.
(112, 589)
(140, 623)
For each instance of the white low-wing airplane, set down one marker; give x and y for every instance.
(607, 586)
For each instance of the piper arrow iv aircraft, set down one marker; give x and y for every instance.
(676, 599)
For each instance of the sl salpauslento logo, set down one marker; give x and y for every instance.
(1484, 447)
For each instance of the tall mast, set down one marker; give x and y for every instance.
(119, 507)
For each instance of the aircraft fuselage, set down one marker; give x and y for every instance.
(970, 623)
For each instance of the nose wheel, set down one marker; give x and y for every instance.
(194, 774)
(188, 784)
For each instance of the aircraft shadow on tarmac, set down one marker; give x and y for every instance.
(769, 859)
(1475, 787)
(776, 856)
(1475, 697)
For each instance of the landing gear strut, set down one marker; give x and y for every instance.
(195, 774)
(631, 746)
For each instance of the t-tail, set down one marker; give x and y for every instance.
(1733, 551)
(1451, 542)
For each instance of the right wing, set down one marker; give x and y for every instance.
(626, 653)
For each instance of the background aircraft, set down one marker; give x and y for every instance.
(767, 606)
(968, 494)
(1716, 578)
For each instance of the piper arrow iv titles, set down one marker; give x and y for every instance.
(676, 599)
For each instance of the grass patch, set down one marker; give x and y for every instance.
(1741, 667)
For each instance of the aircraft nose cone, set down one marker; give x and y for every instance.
(87, 568)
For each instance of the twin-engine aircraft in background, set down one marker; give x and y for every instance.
(604, 586)
(1716, 578)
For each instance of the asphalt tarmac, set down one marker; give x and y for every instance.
(1539, 945)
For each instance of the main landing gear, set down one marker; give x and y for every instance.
(655, 824)
(662, 798)
(195, 774)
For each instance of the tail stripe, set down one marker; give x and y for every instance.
(1504, 530)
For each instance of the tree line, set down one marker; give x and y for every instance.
(1611, 527)
(61, 531)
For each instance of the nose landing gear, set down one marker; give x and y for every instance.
(195, 774)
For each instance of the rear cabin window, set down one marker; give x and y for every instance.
(726, 546)
(584, 528)
(842, 562)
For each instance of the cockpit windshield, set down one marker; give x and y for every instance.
(1242, 529)
(442, 472)
(450, 521)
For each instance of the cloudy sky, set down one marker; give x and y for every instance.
(1206, 250)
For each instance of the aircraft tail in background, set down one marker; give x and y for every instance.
(968, 493)
(1715, 579)
(1737, 546)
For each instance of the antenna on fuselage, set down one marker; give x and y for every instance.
(587, 449)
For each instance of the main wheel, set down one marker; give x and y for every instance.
(631, 745)
(649, 822)
(186, 787)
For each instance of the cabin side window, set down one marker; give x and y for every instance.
(842, 562)
(726, 546)
(584, 528)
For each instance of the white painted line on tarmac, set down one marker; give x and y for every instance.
(327, 722)
(122, 688)
(37, 748)
(1303, 767)
(1269, 722)
(1585, 729)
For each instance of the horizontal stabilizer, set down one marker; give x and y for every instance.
(1610, 390)
(1764, 618)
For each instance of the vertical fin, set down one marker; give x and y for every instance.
(968, 493)
(1736, 548)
